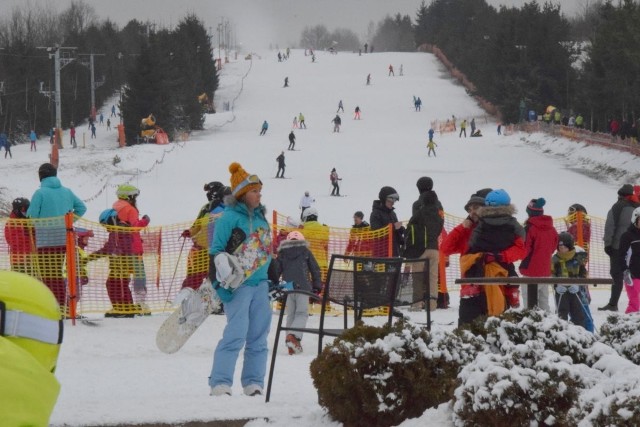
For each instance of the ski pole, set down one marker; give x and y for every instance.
(175, 270)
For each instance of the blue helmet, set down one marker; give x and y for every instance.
(497, 198)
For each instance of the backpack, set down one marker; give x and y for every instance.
(109, 217)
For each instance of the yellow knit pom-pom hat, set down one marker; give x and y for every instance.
(241, 181)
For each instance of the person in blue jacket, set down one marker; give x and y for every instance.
(265, 126)
(4, 142)
(52, 200)
(240, 256)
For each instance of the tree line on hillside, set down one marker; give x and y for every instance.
(586, 65)
(157, 71)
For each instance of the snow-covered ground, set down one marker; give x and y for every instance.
(113, 374)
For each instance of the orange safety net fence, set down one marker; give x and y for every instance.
(107, 276)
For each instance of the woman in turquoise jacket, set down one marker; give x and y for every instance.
(241, 250)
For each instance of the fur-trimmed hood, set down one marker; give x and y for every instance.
(289, 244)
(497, 211)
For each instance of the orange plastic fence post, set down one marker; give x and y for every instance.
(71, 266)
(274, 230)
(579, 231)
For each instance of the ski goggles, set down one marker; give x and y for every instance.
(394, 197)
(15, 323)
(250, 180)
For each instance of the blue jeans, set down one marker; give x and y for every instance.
(248, 322)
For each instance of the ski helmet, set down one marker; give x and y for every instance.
(126, 191)
(295, 235)
(20, 206)
(634, 216)
(34, 315)
(212, 188)
(577, 207)
(497, 198)
(310, 214)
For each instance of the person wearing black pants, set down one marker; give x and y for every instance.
(281, 165)
(292, 141)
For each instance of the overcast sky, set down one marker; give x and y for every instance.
(259, 23)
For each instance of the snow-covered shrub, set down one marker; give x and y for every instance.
(383, 376)
(520, 326)
(623, 334)
(525, 387)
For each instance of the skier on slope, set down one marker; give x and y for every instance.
(337, 121)
(292, 141)
(265, 126)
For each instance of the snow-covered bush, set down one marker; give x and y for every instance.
(521, 326)
(383, 376)
(623, 334)
(530, 373)
(528, 386)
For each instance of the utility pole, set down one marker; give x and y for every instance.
(94, 84)
(59, 64)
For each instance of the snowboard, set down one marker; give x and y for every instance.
(192, 311)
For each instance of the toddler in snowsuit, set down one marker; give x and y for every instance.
(569, 261)
(297, 264)
(431, 146)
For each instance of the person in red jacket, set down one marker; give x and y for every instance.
(126, 207)
(541, 242)
(19, 237)
(473, 301)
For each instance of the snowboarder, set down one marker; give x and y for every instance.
(340, 107)
(32, 138)
(281, 165)
(292, 141)
(335, 182)
(357, 113)
(391, 73)
(265, 126)
(247, 307)
(431, 146)
(336, 123)
(301, 122)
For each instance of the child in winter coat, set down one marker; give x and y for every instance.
(298, 265)
(569, 261)
(431, 145)
(630, 262)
